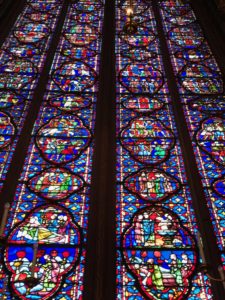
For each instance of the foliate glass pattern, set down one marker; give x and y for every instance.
(22, 57)
(50, 209)
(201, 88)
(157, 254)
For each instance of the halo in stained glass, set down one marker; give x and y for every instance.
(74, 76)
(32, 32)
(78, 53)
(138, 54)
(147, 140)
(211, 138)
(16, 74)
(141, 78)
(7, 130)
(9, 99)
(55, 183)
(49, 226)
(71, 103)
(63, 139)
(160, 253)
(193, 55)
(142, 38)
(152, 184)
(142, 104)
(187, 36)
(81, 34)
(201, 79)
(219, 186)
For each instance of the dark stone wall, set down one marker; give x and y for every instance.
(5, 6)
(217, 9)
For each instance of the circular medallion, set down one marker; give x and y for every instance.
(187, 36)
(32, 33)
(160, 253)
(200, 79)
(63, 139)
(81, 35)
(142, 38)
(74, 76)
(141, 78)
(147, 140)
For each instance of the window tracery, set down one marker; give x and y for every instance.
(201, 90)
(51, 205)
(157, 253)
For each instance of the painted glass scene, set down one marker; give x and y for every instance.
(166, 89)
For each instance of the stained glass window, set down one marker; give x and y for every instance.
(51, 72)
(155, 218)
(22, 57)
(51, 204)
(201, 91)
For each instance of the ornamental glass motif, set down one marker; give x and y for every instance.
(201, 87)
(51, 205)
(157, 254)
(22, 57)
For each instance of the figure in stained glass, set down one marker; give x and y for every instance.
(199, 73)
(208, 105)
(186, 36)
(200, 79)
(32, 33)
(193, 55)
(78, 52)
(16, 74)
(71, 103)
(138, 54)
(147, 140)
(142, 104)
(8, 99)
(74, 76)
(141, 78)
(38, 17)
(24, 51)
(59, 158)
(88, 6)
(142, 38)
(7, 130)
(55, 183)
(211, 138)
(159, 253)
(152, 184)
(63, 139)
(81, 35)
(43, 6)
(49, 226)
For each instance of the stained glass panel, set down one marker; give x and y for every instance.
(22, 58)
(201, 90)
(157, 254)
(50, 209)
